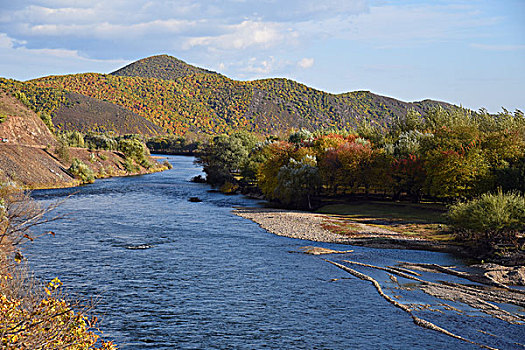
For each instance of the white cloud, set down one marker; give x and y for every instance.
(20, 62)
(340, 39)
(5, 41)
(242, 36)
(255, 67)
(260, 68)
(306, 63)
(108, 30)
(99, 27)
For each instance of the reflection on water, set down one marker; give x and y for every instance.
(173, 274)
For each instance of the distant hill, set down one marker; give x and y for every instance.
(160, 67)
(85, 114)
(197, 102)
(211, 103)
(71, 111)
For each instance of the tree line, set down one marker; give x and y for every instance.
(447, 155)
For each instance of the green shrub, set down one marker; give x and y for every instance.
(102, 173)
(102, 156)
(80, 170)
(145, 163)
(130, 166)
(490, 219)
(72, 138)
(62, 150)
(133, 148)
(2, 117)
(100, 141)
(229, 188)
(48, 120)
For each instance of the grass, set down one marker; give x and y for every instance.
(426, 220)
(388, 211)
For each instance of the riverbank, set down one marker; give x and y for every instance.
(318, 227)
(31, 156)
(35, 167)
(314, 227)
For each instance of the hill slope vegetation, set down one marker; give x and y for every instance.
(161, 67)
(85, 114)
(181, 99)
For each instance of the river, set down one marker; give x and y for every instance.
(211, 280)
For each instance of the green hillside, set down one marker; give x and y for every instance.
(198, 102)
(70, 111)
(187, 100)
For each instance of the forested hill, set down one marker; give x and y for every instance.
(161, 67)
(70, 111)
(83, 113)
(212, 103)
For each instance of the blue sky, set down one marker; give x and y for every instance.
(465, 52)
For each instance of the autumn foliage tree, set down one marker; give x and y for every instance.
(445, 155)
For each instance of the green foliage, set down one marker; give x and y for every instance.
(167, 164)
(172, 145)
(226, 155)
(80, 170)
(300, 136)
(130, 166)
(133, 149)
(466, 156)
(453, 174)
(490, 219)
(512, 177)
(46, 118)
(372, 131)
(72, 138)
(229, 188)
(409, 142)
(213, 104)
(100, 141)
(297, 182)
(62, 150)
(42, 99)
(409, 122)
(277, 154)
(2, 117)
(145, 163)
(160, 67)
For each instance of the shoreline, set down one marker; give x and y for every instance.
(309, 226)
(77, 183)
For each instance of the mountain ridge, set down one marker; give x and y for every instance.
(182, 98)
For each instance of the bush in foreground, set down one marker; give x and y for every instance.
(489, 220)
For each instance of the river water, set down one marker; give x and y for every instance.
(212, 280)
